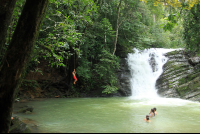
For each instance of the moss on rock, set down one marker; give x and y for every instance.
(173, 52)
(182, 90)
(18, 126)
(178, 75)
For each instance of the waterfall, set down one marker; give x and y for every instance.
(146, 67)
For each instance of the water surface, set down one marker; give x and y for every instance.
(114, 115)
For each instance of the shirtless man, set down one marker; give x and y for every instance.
(74, 76)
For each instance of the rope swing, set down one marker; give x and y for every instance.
(74, 72)
(74, 59)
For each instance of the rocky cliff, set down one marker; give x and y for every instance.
(180, 77)
(124, 76)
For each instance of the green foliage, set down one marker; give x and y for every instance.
(109, 89)
(191, 28)
(107, 27)
(29, 84)
(73, 94)
(135, 32)
(58, 37)
(171, 22)
(176, 36)
(32, 66)
(105, 69)
(61, 30)
(161, 39)
(84, 71)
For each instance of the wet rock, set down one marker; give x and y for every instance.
(152, 62)
(124, 76)
(17, 126)
(191, 95)
(180, 77)
(194, 60)
(17, 100)
(26, 109)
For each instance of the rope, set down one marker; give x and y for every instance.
(74, 60)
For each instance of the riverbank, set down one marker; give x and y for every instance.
(24, 123)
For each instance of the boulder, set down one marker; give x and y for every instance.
(194, 60)
(25, 109)
(17, 126)
(124, 76)
(152, 62)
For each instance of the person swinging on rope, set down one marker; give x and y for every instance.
(74, 76)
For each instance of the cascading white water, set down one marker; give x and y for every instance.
(143, 78)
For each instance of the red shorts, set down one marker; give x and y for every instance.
(75, 78)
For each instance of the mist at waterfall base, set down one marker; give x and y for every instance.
(119, 114)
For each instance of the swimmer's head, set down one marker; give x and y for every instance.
(154, 108)
(147, 117)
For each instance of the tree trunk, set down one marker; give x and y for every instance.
(6, 11)
(154, 18)
(117, 27)
(17, 55)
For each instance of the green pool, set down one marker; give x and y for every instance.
(113, 115)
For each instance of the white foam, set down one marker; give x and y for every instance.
(143, 78)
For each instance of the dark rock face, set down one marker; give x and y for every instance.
(180, 77)
(124, 76)
(152, 62)
(17, 126)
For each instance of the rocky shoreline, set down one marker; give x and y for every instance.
(19, 124)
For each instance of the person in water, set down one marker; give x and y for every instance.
(155, 111)
(152, 114)
(147, 118)
(74, 76)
